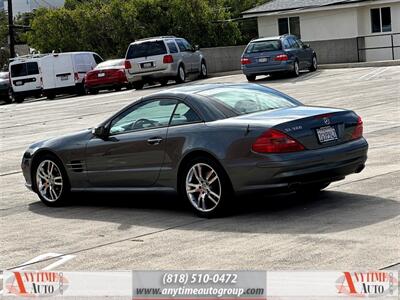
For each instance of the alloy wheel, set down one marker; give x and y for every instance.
(49, 181)
(181, 74)
(203, 187)
(203, 70)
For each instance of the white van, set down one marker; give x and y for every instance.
(25, 77)
(64, 73)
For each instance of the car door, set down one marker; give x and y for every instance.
(186, 54)
(299, 52)
(194, 57)
(133, 153)
(307, 53)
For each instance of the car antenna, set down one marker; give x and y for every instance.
(247, 129)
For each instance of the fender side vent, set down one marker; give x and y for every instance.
(76, 166)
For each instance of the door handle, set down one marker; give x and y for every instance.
(154, 140)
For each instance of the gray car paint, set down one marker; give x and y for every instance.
(228, 140)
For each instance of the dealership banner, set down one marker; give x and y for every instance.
(150, 285)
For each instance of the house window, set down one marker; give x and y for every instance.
(289, 26)
(381, 20)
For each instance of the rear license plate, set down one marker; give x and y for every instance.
(326, 134)
(147, 65)
(101, 75)
(18, 83)
(263, 60)
(64, 77)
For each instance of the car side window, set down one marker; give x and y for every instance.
(300, 43)
(181, 45)
(293, 43)
(286, 44)
(172, 47)
(145, 115)
(188, 47)
(97, 59)
(184, 115)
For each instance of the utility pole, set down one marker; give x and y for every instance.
(11, 29)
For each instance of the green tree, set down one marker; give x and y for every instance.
(4, 51)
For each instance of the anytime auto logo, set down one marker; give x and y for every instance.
(367, 284)
(35, 283)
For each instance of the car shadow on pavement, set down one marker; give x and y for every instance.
(330, 211)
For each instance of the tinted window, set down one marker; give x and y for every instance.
(24, 69)
(386, 19)
(184, 115)
(145, 49)
(144, 116)
(264, 46)
(111, 63)
(172, 47)
(293, 43)
(286, 44)
(183, 45)
(97, 59)
(375, 20)
(245, 101)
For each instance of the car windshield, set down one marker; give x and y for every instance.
(264, 46)
(246, 101)
(111, 63)
(145, 49)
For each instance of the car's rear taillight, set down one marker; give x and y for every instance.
(168, 59)
(281, 57)
(245, 61)
(358, 130)
(275, 141)
(128, 64)
(76, 76)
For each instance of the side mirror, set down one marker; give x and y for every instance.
(306, 46)
(196, 47)
(100, 132)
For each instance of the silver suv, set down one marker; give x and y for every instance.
(161, 59)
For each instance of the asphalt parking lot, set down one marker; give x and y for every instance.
(354, 224)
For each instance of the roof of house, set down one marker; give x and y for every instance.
(281, 5)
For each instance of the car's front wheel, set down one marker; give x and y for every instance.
(203, 70)
(50, 180)
(204, 184)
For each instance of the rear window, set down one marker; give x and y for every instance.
(111, 63)
(264, 46)
(24, 69)
(145, 49)
(246, 101)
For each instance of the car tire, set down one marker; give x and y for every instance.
(312, 188)
(205, 186)
(50, 181)
(314, 64)
(163, 81)
(203, 70)
(118, 88)
(8, 99)
(138, 85)
(19, 99)
(50, 96)
(181, 75)
(80, 89)
(296, 69)
(251, 78)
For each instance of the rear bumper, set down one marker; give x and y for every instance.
(263, 70)
(289, 171)
(30, 93)
(169, 72)
(105, 84)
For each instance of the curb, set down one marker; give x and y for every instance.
(385, 63)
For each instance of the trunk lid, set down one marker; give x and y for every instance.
(313, 127)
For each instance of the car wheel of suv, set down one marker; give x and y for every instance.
(203, 70)
(50, 181)
(314, 64)
(296, 69)
(181, 76)
(205, 186)
(251, 77)
(138, 85)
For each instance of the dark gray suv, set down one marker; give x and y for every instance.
(285, 53)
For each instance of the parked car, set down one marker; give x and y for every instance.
(286, 53)
(25, 77)
(5, 87)
(64, 73)
(107, 75)
(161, 59)
(206, 142)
